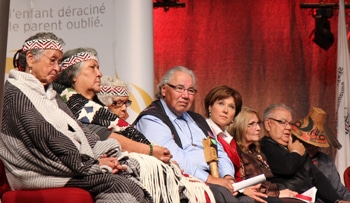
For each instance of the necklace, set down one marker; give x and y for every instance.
(260, 159)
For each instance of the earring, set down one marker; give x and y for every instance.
(30, 70)
(209, 114)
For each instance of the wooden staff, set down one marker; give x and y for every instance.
(211, 156)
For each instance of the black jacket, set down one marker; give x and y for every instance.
(296, 172)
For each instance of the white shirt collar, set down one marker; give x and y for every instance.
(216, 130)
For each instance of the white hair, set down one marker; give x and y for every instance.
(107, 99)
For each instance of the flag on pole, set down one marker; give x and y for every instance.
(343, 93)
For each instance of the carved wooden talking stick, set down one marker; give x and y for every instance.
(211, 156)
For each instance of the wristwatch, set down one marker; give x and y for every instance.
(241, 191)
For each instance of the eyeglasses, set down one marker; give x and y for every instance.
(254, 124)
(283, 123)
(181, 89)
(53, 60)
(118, 104)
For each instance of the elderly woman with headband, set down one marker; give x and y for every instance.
(114, 94)
(44, 146)
(78, 87)
(78, 84)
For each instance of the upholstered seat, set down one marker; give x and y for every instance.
(347, 177)
(50, 195)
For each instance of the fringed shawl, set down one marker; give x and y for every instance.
(165, 182)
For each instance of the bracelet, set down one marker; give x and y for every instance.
(150, 149)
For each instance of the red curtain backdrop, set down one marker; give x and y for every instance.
(261, 48)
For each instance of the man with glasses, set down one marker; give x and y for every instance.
(169, 123)
(288, 161)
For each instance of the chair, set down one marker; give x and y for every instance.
(347, 177)
(50, 195)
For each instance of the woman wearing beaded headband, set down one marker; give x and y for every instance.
(78, 84)
(44, 146)
(114, 94)
(42, 45)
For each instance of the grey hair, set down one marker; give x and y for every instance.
(67, 75)
(20, 60)
(107, 99)
(169, 75)
(270, 109)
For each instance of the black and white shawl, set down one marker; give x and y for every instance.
(90, 112)
(43, 146)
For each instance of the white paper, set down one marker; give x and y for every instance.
(248, 182)
(310, 193)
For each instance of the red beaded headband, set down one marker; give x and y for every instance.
(77, 58)
(119, 91)
(42, 44)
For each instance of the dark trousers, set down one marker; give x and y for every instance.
(223, 195)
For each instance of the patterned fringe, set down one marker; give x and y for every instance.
(165, 182)
(195, 189)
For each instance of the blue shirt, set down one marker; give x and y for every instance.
(191, 156)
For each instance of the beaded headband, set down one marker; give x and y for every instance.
(42, 44)
(118, 91)
(77, 58)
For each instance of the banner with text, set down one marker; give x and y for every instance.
(120, 31)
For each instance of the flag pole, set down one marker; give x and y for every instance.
(4, 19)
